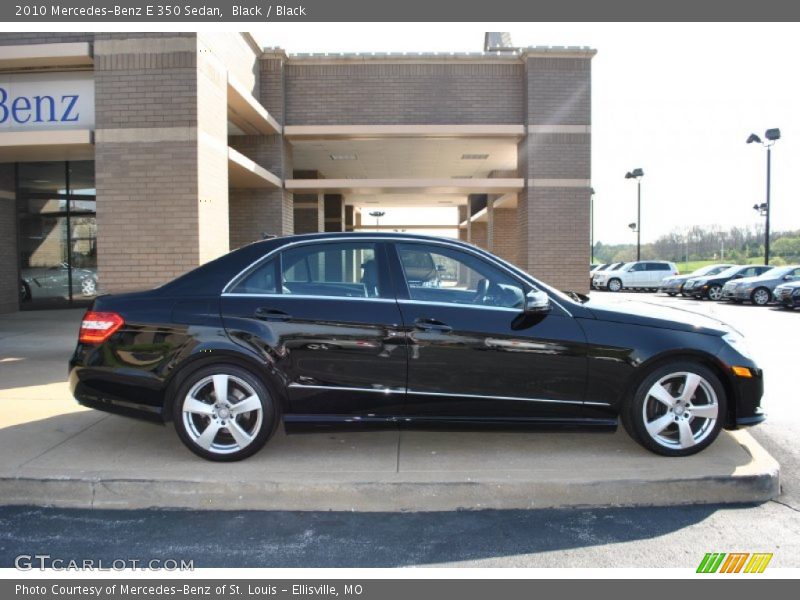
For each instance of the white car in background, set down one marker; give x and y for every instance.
(644, 274)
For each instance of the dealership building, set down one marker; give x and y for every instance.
(127, 159)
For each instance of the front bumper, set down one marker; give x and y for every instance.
(788, 300)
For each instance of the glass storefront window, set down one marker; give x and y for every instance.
(57, 234)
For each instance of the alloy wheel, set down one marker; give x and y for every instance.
(88, 287)
(222, 414)
(614, 285)
(761, 296)
(680, 410)
(715, 292)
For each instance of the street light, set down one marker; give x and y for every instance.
(772, 135)
(637, 174)
(377, 214)
(591, 225)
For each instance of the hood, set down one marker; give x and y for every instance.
(655, 315)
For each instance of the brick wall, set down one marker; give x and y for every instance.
(254, 212)
(505, 237)
(404, 93)
(9, 274)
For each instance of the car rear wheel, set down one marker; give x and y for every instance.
(677, 410)
(614, 285)
(89, 286)
(760, 296)
(715, 292)
(224, 413)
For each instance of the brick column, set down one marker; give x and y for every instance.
(270, 211)
(505, 234)
(159, 159)
(9, 265)
(554, 159)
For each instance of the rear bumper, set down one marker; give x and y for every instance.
(95, 388)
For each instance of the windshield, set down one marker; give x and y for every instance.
(626, 266)
(730, 271)
(710, 270)
(776, 272)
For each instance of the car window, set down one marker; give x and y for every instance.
(261, 280)
(637, 267)
(440, 274)
(346, 269)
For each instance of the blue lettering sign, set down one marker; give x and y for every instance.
(38, 109)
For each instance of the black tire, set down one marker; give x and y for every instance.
(667, 442)
(760, 296)
(223, 445)
(614, 285)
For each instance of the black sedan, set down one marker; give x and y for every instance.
(371, 330)
(710, 286)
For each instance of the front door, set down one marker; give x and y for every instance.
(473, 353)
(324, 314)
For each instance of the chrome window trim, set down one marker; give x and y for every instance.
(296, 385)
(460, 305)
(308, 297)
(516, 272)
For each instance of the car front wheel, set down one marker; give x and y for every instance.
(614, 285)
(715, 292)
(677, 410)
(224, 413)
(760, 296)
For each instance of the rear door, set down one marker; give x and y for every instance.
(324, 314)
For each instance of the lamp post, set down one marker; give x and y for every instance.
(591, 225)
(377, 214)
(637, 174)
(772, 135)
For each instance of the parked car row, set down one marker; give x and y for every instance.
(757, 284)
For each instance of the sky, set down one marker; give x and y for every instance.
(677, 100)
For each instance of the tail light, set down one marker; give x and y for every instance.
(97, 327)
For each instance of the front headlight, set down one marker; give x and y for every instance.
(737, 342)
(796, 292)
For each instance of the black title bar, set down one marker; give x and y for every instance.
(260, 11)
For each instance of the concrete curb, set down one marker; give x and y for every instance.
(757, 481)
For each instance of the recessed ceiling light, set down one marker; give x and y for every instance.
(474, 156)
(343, 157)
(444, 201)
(462, 177)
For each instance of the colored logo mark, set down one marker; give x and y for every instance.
(734, 562)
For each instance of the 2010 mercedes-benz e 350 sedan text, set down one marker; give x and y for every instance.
(329, 330)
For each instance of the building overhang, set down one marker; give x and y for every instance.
(25, 146)
(39, 56)
(405, 186)
(246, 112)
(244, 173)
(356, 132)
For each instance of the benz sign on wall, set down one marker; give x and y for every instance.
(40, 101)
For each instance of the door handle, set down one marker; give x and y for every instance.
(432, 325)
(271, 314)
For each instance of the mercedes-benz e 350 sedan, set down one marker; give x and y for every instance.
(329, 330)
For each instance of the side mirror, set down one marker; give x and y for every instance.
(537, 302)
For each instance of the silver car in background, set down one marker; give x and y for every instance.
(758, 290)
